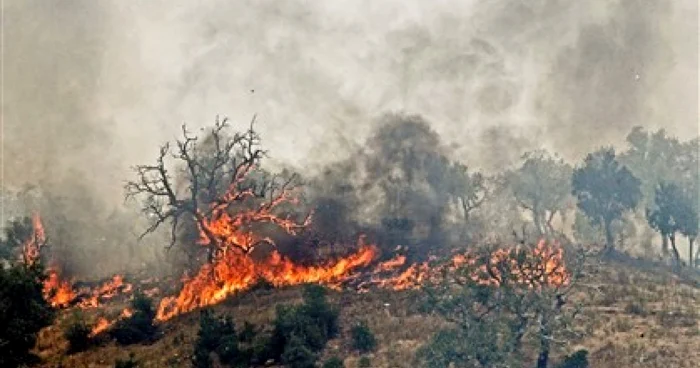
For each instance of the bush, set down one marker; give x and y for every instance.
(364, 362)
(334, 362)
(363, 339)
(24, 313)
(314, 323)
(139, 327)
(579, 359)
(636, 308)
(298, 355)
(218, 334)
(130, 363)
(248, 333)
(475, 347)
(78, 336)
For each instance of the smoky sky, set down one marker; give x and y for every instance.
(92, 88)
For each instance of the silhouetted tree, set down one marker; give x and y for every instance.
(218, 178)
(673, 212)
(24, 312)
(542, 185)
(655, 157)
(605, 190)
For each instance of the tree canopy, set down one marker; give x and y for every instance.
(604, 190)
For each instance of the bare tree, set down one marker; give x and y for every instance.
(219, 186)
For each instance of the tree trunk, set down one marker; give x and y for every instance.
(664, 244)
(543, 357)
(676, 255)
(691, 254)
(609, 238)
(538, 221)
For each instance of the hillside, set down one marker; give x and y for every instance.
(633, 315)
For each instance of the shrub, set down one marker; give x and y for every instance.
(363, 339)
(334, 362)
(636, 308)
(129, 363)
(218, 334)
(579, 359)
(78, 336)
(364, 362)
(248, 333)
(475, 347)
(314, 322)
(297, 354)
(139, 327)
(24, 313)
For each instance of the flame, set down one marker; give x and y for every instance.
(59, 293)
(108, 290)
(545, 268)
(31, 249)
(102, 325)
(237, 272)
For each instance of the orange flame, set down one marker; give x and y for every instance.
(545, 267)
(31, 249)
(102, 325)
(59, 293)
(237, 272)
(108, 290)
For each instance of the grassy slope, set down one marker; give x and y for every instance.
(632, 318)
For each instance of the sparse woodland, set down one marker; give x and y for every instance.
(510, 269)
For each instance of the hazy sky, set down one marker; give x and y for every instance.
(94, 87)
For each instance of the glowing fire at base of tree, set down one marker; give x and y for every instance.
(237, 272)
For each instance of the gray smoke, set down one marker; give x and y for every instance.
(91, 88)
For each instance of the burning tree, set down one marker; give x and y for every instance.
(235, 207)
(499, 298)
(219, 187)
(24, 307)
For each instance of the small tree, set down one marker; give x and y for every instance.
(674, 212)
(498, 299)
(605, 190)
(542, 186)
(24, 312)
(217, 334)
(139, 327)
(363, 339)
(78, 335)
(219, 185)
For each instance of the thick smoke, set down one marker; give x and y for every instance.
(91, 88)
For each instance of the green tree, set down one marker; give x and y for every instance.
(674, 212)
(499, 301)
(655, 157)
(542, 185)
(23, 312)
(604, 190)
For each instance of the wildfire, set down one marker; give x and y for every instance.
(59, 293)
(103, 324)
(31, 250)
(107, 291)
(541, 266)
(237, 272)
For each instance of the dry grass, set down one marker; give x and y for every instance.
(631, 318)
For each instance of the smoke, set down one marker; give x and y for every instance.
(92, 88)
